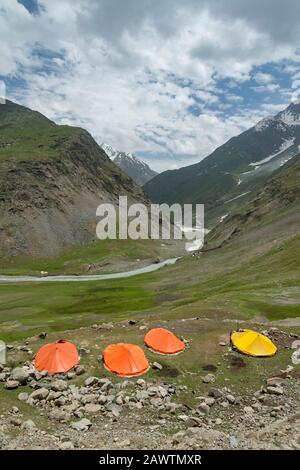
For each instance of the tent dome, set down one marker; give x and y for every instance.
(253, 343)
(125, 359)
(56, 357)
(163, 341)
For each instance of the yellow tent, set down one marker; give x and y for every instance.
(253, 343)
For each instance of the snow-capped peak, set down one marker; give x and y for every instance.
(139, 171)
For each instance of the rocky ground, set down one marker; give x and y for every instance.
(78, 410)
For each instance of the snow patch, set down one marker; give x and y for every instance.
(237, 197)
(223, 218)
(287, 143)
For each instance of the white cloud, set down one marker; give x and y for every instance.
(131, 72)
(263, 78)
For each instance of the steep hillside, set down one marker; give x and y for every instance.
(52, 178)
(239, 166)
(278, 198)
(138, 170)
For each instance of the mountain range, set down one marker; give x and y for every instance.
(138, 170)
(236, 169)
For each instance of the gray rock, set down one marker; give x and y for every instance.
(153, 391)
(275, 390)
(203, 408)
(215, 393)
(23, 396)
(230, 398)
(11, 384)
(67, 445)
(39, 394)
(248, 409)
(92, 409)
(90, 381)
(141, 382)
(142, 395)
(83, 425)
(59, 415)
(84, 351)
(102, 399)
(80, 370)
(208, 379)
(210, 401)
(29, 425)
(157, 365)
(15, 421)
(59, 385)
(114, 409)
(156, 401)
(19, 374)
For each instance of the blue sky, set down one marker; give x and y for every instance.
(169, 81)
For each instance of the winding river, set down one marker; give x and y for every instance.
(89, 277)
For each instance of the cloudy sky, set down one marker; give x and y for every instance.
(169, 80)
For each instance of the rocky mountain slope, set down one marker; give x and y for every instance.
(236, 168)
(138, 170)
(52, 178)
(279, 196)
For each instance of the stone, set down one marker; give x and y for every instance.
(210, 401)
(156, 401)
(11, 384)
(132, 322)
(183, 418)
(15, 421)
(203, 408)
(59, 385)
(29, 425)
(92, 409)
(80, 370)
(42, 335)
(230, 398)
(102, 399)
(67, 445)
(193, 421)
(275, 390)
(208, 379)
(141, 382)
(114, 409)
(218, 421)
(90, 381)
(23, 396)
(157, 365)
(215, 393)
(19, 374)
(153, 391)
(248, 409)
(39, 394)
(275, 381)
(83, 351)
(59, 415)
(71, 375)
(141, 395)
(83, 425)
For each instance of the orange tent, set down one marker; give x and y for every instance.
(56, 357)
(163, 341)
(125, 359)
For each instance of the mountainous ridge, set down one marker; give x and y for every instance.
(136, 168)
(241, 164)
(52, 178)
